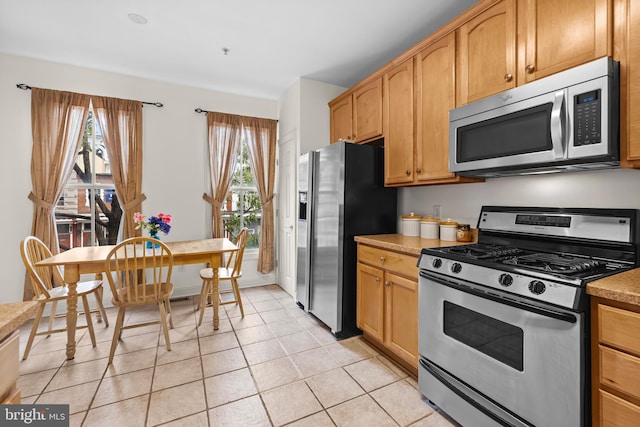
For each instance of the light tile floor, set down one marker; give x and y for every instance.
(276, 366)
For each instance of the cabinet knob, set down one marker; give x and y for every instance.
(382, 260)
(377, 280)
(530, 68)
(408, 172)
(387, 284)
(508, 77)
(418, 170)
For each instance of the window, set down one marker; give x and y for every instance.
(242, 207)
(88, 212)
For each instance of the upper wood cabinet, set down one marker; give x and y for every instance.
(560, 34)
(356, 116)
(418, 94)
(487, 53)
(341, 117)
(515, 42)
(435, 96)
(627, 51)
(398, 116)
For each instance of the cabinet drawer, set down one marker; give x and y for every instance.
(619, 328)
(620, 371)
(405, 265)
(9, 364)
(616, 412)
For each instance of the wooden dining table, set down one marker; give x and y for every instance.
(92, 260)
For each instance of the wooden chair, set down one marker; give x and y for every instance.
(140, 276)
(49, 287)
(232, 271)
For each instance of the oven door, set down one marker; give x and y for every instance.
(487, 360)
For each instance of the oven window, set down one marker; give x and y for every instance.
(526, 131)
(497, 339)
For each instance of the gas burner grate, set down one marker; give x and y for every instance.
(484, 251)
(556, 263)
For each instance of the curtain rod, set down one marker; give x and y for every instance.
(200, 110)
(27, 87)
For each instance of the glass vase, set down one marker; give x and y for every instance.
(150, 244)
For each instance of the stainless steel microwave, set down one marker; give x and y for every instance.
(567, 121)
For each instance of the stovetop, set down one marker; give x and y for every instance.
(544, 254)
(562, 266)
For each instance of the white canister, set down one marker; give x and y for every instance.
(448, 230)
(430, 228)
(411, 224)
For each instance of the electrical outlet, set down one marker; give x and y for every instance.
(437, 211)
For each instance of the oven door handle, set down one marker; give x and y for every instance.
(547, 312)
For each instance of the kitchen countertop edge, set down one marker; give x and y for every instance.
(404, 244)
(621, 287)
(14, 314)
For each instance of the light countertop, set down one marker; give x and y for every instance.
(622, 287)
(14, 314)
(404, 244)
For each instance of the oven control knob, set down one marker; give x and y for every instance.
(537, 287)
(505, 280)
(456, 267)
(437, 263)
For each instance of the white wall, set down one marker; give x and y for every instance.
(619, 188)
(175, 169)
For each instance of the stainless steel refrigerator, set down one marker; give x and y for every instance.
(341, 194)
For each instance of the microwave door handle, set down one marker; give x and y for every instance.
(557, 125)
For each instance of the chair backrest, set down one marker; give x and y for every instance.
(136, 272)
(43, 279)
(236, 258)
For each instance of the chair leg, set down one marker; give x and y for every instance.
(52, 315)
(204, 296)
(163, 318)
(116, 334)
(169, 314)
(34, 329)
(101, 311)
(236, 292)
(87, 315)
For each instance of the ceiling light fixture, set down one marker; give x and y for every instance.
(138, 19)
(226, 50)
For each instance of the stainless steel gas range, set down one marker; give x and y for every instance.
(504, 323)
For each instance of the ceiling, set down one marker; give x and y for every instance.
(271, 43)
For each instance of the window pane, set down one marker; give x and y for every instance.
(88, 206)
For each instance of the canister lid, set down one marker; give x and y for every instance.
(412, 215)
(464, 227)
(430, 219)
(449, 222)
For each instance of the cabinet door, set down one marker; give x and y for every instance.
(628, 41)
(370, 301)
(401, 329)
(341, 119)
(398, 124)
(487, 53)
(560, 34)
(367, 111)
(435, 90)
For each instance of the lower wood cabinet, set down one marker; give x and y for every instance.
(387, 302)
(615, 354)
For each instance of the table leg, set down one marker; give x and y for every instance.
(99, 314)
(71, 277)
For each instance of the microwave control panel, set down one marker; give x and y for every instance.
(587, 118)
